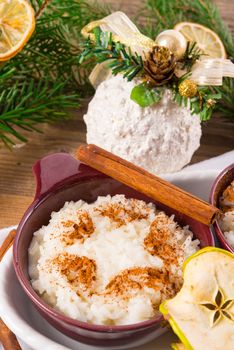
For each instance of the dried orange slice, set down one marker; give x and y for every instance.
(207, 40)
(17, 23)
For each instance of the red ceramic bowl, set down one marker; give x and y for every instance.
(221, 182)
(61, 178)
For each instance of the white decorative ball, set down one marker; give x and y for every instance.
(174, 41)
(161, 138)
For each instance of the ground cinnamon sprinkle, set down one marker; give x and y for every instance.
(67, 223)
(226, 209)
(156, 243)
(227, 199)
(78, 271)
(137, 278)
(82, 270)
(81, 230)
(228, 193)
(122, 214)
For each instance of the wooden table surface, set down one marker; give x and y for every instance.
(16, 180)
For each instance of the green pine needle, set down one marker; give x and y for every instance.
(226, 104)
(44, 81)
(202, 104)
(25, 104)
(191, 55)
(121, 58)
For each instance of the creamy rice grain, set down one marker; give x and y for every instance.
(111, 262)
(227, 220)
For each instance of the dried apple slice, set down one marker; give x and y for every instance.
(178, 346)
(202, 313)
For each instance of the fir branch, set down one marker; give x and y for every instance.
(120, 57)
(25, 104)
(42, 8)
(56, 42)
(226, 104)
(191, 55)
(40, 83)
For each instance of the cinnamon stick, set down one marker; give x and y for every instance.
(147, 183)
(7, 338)
(7, 243)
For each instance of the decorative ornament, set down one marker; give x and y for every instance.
(188, 88)
(147, 118)
(174, 41)
(133, 54)
(159, 65)
(161, 138)
(204, 307)
(210, 103)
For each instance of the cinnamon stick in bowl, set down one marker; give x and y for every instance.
(147, 183)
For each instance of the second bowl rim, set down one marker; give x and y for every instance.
(216, 225)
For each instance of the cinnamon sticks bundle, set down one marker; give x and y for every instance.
(147, 183)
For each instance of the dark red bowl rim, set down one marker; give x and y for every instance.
(35, 298)
(216, 226)
(44, 307)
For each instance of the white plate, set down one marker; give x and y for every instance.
(22, 318)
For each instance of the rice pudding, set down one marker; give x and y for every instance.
(111, 262)
(227, 221)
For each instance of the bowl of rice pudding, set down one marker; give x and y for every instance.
(96, 258)
(222, 195)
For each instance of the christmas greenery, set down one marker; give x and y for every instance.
(203, 103)
(26, 103)
(144, 96)
(192, 53)
(161, 14)
(121, 58)
(46, 79)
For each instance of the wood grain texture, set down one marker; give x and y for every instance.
(16, 179)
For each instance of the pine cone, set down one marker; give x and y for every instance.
(159, 65)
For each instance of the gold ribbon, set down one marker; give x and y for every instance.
(123, 30)
(206, 71)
